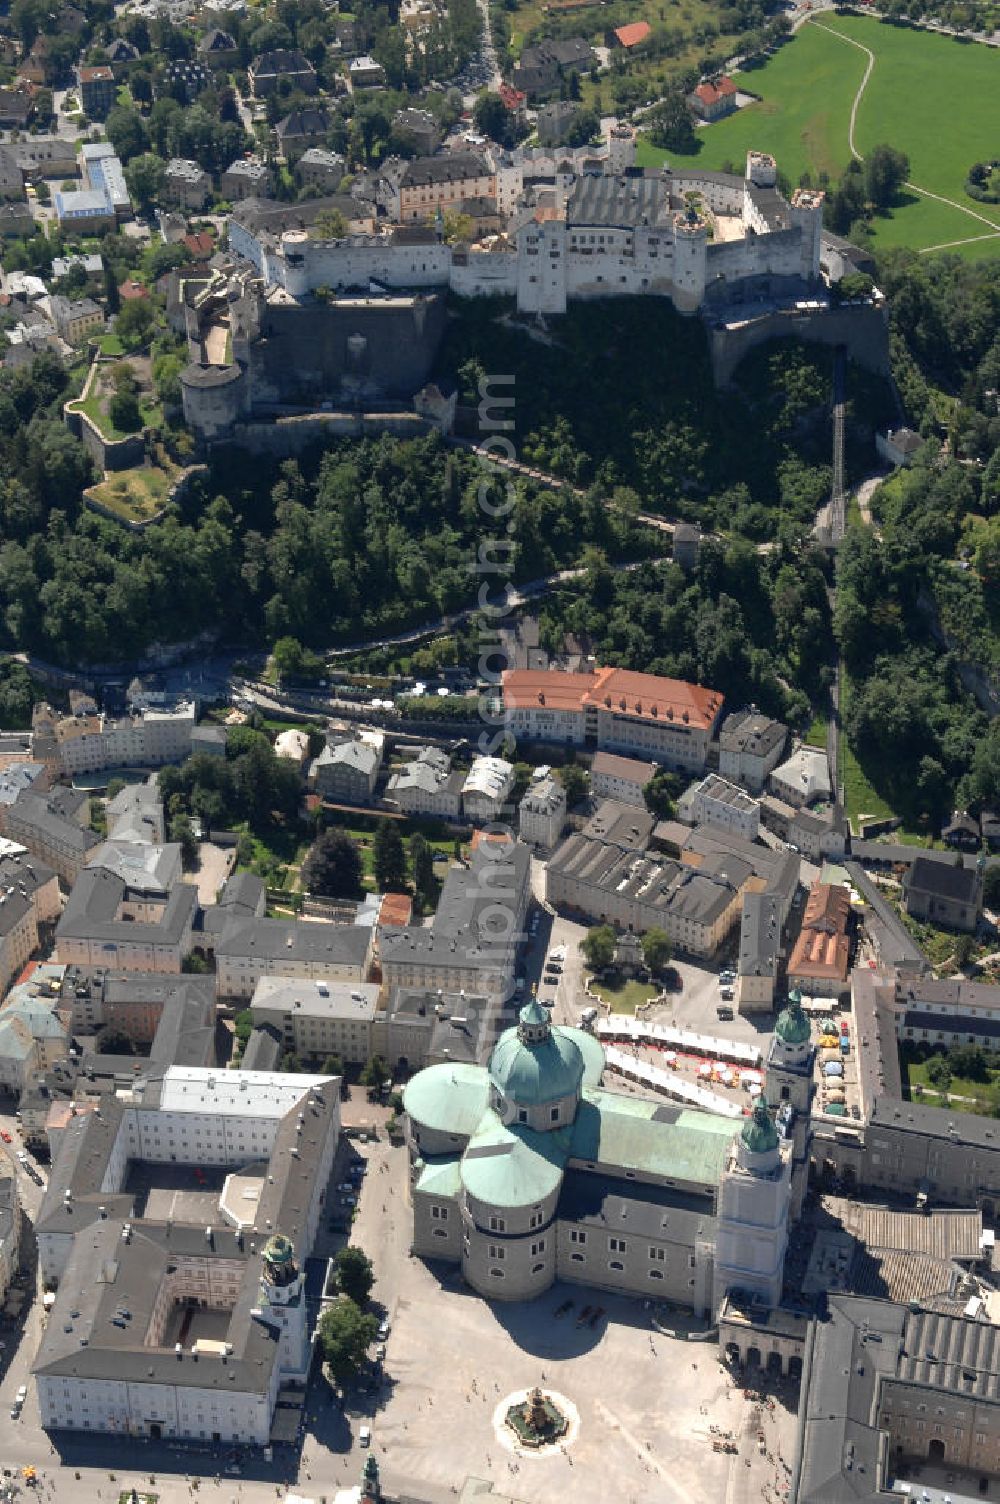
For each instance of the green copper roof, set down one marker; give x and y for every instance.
(631, 1133)
(792, 1026)
(543, 1070)
(513, 1166)
(441, 1176)
(278, 1249)
(534, 1013)
(593, 1054)
(448, 1098)
(759, 1133)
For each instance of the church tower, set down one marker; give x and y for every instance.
(754, 1197)
(788, 1081)
(789, 1071)
(282, 1304)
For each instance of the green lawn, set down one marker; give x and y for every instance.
(962, 1095)
(925, 95)
(860, 798)
(816, 735)
(623, 997)
(135, 494)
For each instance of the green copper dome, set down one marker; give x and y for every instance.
(759, 1134)
(535, 1063)
(278, 1249)
(792, 1026)
(534, 1013)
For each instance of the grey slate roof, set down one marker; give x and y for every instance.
(622, 202)
(450, 167)
(943, 879)
(289, 940)
(94, 901)
(749, 731)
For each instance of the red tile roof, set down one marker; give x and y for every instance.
(512, 98)
(131, 289)
(822, 950)
(619, 690)
(201, 245)
(527, 687)
(710, 94)
(634, 33)
(396, 910)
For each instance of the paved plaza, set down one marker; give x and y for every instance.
(646, 1402)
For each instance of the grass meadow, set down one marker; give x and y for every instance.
(931, 96)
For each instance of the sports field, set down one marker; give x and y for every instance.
(933, 97)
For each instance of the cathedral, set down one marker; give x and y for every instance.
(530, 1170)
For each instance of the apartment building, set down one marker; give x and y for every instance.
(820, 959)
(803, 779)
(318, 1019)
(542, 813)
(486, 789)
(759, 953)
(427, 786)
(29, 896)
(110, 920)
(186, 184)
(49, 825)
(314, 951)
(471, 944)
(90, 742)
(346, 771)
(620, 778)
(716, 802)
(10, 1232)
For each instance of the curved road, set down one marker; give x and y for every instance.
(915, 187)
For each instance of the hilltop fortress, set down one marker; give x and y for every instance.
(354, 320)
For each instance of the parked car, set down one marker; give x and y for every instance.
(383, 1331)
(365, 1436)
(5, 1136)
(724, 1012)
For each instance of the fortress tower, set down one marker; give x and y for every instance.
(621, 148)
(690, 257)
(807, 211)
(762, 169)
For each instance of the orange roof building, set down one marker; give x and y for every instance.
(614, 710)
(712, 100)
(396, 910)
(820, 959)
(632, 34)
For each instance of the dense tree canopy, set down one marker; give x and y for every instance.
(333, 866)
